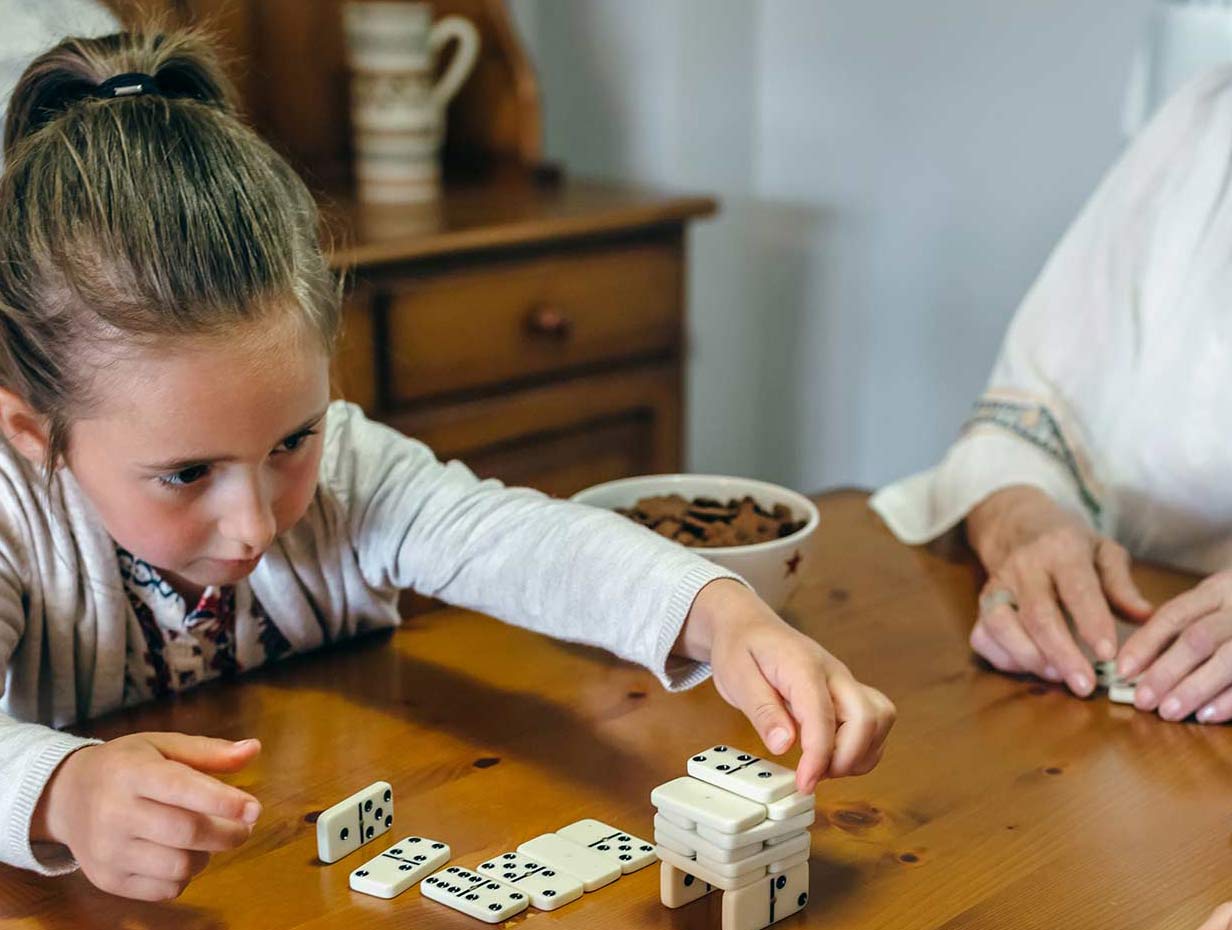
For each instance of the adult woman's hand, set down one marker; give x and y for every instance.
(1043, 562)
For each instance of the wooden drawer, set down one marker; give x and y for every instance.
(516, 319)
(565, 436)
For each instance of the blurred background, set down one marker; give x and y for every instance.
(889, 176)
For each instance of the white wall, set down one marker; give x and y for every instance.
(892, 174)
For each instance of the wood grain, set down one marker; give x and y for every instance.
(1000, 803)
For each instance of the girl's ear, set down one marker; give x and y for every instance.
(23, 428)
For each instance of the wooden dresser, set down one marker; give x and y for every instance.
(527, 323)
(534, 331)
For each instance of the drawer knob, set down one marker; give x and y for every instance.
(546, 320)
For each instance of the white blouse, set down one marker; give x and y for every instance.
(1113, 389)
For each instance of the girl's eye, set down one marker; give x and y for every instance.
(185, 476)
(291, 443)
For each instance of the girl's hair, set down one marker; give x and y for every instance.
(136, 218)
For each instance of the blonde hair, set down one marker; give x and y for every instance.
(140, 217)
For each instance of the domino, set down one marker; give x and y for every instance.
(628, 852)
(759, 905)
(784, 865)
(698, 870)
(706, 804)
(1122, 692)
(682, 849)
(742, 773)
(474, 895)
(758, 861)
(677, 888)
(399, 867)
(793, 805)
(768, 831)
(695, 845)
(350, 823)
(678, 819)
(1105, 673)
(547, 888)
(593, 869)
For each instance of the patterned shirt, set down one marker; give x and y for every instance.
(172, 648)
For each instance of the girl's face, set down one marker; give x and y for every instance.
(196, 456)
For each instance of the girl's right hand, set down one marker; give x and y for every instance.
(1043, 561)
(139, 813)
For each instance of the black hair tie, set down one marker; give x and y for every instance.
(131, 84)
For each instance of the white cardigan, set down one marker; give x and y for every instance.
(386, 516)
(1113, 390)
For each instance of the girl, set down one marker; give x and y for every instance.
(181, 501)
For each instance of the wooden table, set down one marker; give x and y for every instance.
(1000, 803)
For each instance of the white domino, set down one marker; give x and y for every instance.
(768, 831)
(350, 823)
(677, 888)
(1105, 673)
(790, 862)
(675, 845)
(698, 870)
(673, 837)
(793, 805)
(678, 819)
(547, 888)
(705, 804)
(400, 866)
(627, 851)
(758, 861)
(593, 869)
(475, 895)
(742, 773)
(1122, 692)
(765, 902)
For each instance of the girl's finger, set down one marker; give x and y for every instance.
(858, 724)
(808, 692)
(746, 688)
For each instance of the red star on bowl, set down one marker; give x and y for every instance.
(793, 564)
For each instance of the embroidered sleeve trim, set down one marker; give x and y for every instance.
(1035, 423)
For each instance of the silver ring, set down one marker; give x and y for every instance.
(991, 600)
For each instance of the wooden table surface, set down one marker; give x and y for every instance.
(1001, 802)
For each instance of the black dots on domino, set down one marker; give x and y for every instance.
(368, 806)
(388, 795)
(780, 882)
(360, 873)
(389, 821)
(380, 813)
(802, 900)
(688, 880)
(405, 867)
(549, 893)
(344, 833)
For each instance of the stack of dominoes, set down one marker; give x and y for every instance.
(546, 872)
(736, 823)
(1120, 690)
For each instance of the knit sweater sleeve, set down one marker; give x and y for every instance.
(29, 752)
(570, 571)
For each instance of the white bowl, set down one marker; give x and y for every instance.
(773, 568)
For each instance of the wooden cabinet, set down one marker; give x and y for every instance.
(538, 338)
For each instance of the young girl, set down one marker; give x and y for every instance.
(181, 501)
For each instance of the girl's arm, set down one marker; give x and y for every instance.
(570, 571)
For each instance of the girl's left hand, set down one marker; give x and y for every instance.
(783, 681)
(1184, 654)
